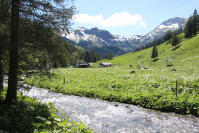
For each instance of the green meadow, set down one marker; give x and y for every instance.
(157, 86)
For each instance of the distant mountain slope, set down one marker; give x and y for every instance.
(183, 57)
(103, 41)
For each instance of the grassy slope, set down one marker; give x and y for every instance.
(187, 54)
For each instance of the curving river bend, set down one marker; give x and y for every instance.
(111, 117)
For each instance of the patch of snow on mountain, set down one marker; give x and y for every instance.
(171, 27)
(119, 38)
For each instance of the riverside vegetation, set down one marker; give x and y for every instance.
(170, 89)
(29, 115)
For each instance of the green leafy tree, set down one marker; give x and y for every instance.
(154, 53)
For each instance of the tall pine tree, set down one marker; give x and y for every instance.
(175, 40)
(195, 21)
(14, 43)
(192, 25)
(187, 30)
(50, 14)
(168, 36)
(154, 53)
(4, 36)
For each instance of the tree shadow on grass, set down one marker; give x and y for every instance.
(168, 42)
(20, 117)
(176, 47)
(156, 59)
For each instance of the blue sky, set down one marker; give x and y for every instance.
(130, 17)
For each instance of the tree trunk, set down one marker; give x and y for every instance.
(1, 75)
(13, 49)
(1, 80)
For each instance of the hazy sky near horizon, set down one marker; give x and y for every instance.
(130, 17)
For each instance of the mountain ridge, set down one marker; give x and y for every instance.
(99, 39)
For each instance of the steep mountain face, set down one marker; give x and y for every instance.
(104, 42)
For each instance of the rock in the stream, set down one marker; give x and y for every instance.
(116, 105)
(130, 109)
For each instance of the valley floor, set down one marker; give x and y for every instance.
(160, 89)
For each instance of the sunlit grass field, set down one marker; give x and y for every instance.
(149, 88)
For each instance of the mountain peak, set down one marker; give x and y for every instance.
(170, 24)
(104, 34)
(180, 21)
(95, 28)
(79, 28)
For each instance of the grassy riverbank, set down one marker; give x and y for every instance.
(28, 115)
(149, 88)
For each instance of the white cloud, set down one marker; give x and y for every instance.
(143, 24)
(115, 20)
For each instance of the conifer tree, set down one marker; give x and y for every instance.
(192, 25)
(154, 53)
(194, 22)
(49, 14)
(87, 57)
(4, 36)
(168, 36)
(14, 43)
(109, 56)
(188, 28)
(175, 40)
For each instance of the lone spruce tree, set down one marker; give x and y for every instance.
(168, 36)
(175, 40)
(154, 52)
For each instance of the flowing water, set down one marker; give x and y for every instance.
(111, 117)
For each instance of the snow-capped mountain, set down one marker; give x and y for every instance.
(170, 24)
(82, 34)
(102, 41)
